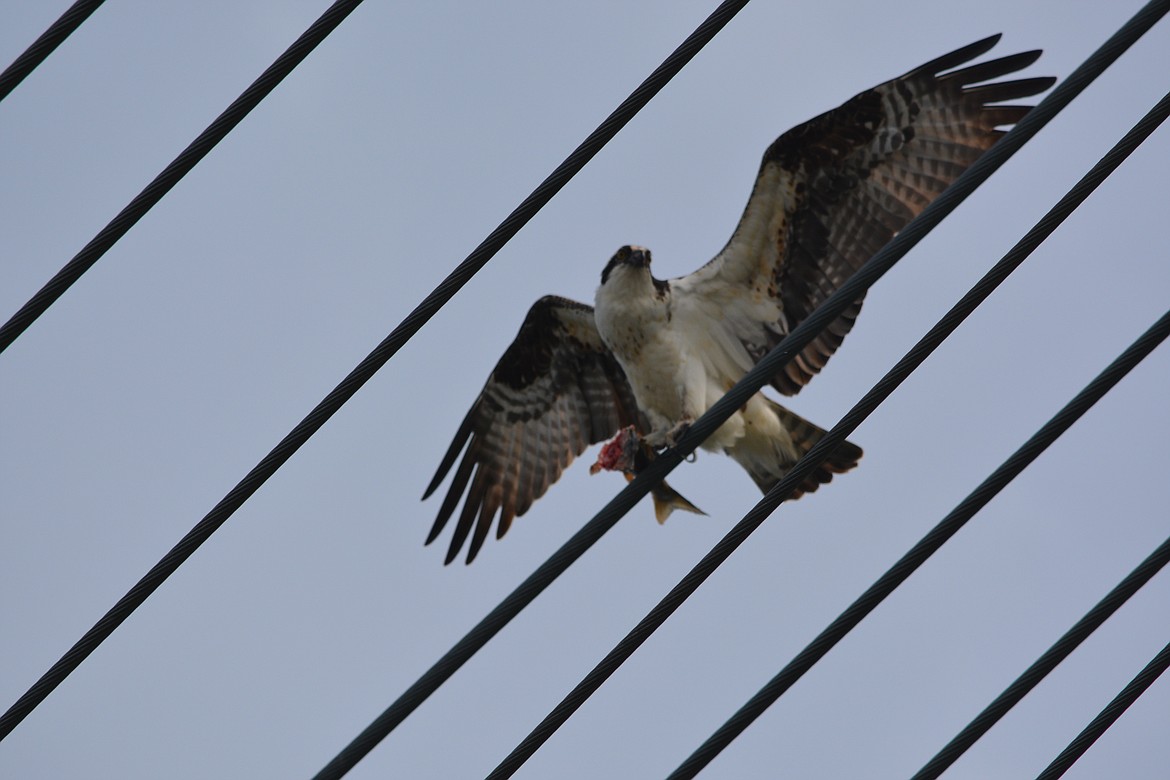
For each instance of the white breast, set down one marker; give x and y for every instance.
(636, 324)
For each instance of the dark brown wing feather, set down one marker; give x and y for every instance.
(833, 191)
(556, 390)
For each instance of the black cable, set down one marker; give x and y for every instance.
(1100, 724)
(42, 47)
(173, 173)
(1047, 662)
(366, 369)
(926, 547)
(581, 541)
(751, 383)
(824, 448)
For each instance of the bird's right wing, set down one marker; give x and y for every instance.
(555, 391)
(832, 191)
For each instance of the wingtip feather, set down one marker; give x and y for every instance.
(959, 56)
(461, 437)
(993, 69)
(1010, 90)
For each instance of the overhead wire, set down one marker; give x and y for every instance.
(43, 46)
(369, 366)
(1051, 657)
(174, 172)
(751, 383)
(822, 450)
(921, 551)
(1108, 716)
(144, 595)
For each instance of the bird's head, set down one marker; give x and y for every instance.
(627, 275)
(627, 264)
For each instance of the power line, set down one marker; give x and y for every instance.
(926, 547)
(173, 173)
(982, 289)
(583, 539)
(1053, 656)
(751, 383)
(368, 367)
(1100, 724)
(43, 46)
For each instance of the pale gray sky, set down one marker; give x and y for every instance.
(141, 398)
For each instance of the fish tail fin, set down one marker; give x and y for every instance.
(667, 499)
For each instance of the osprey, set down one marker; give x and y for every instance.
(653, 355)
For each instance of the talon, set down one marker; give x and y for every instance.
(660, 441)
(677, 432)
(657, 441)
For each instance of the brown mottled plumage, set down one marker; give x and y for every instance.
(555, 391)
(656, 354)
(855, 176)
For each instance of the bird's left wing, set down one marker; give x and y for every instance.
(555, 391)
(831, 192)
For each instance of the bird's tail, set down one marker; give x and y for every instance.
(767, 458)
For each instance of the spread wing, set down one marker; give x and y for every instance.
(831, 192)
(556, 390)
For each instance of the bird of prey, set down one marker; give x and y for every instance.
(651, 356)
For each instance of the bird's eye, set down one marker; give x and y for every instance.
(623, 254)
